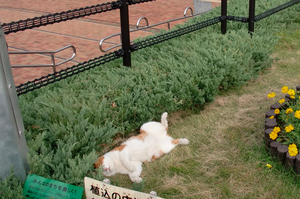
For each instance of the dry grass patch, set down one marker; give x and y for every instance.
(226, 156)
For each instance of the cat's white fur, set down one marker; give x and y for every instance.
(152, 142)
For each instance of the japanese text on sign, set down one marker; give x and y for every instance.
(98, 190)
(37, 187)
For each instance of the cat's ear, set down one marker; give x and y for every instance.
(99, 162)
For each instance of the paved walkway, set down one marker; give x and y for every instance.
(84, 33)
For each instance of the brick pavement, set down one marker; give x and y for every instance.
(84, 33)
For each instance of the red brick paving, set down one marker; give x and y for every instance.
(84, 33)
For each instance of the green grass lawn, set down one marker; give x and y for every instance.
(226, 157)
(71, 122)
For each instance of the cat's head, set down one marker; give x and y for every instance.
(107, 164)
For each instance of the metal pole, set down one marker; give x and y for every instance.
(224, 16)
(125, 34)
(53, 62)
(251, 16)
(13, 147)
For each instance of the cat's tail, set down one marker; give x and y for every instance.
(164, 120)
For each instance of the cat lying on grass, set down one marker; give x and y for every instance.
(152, 142)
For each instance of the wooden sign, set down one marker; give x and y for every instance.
(98, 190)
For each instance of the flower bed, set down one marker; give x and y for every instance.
(282, 128)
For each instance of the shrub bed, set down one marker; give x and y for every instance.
(68, 123)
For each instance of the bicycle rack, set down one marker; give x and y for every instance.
(54, 65)
(185, 16)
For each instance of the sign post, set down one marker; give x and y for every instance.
(95, 189)
(13, 147)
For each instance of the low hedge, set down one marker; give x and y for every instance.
(69, 122)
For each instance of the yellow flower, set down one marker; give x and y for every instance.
(269, 166)
(292, 97)
(272, 117)
(273, 135)
(284, 89)
(276, 129)
(291, 92)
(281, 101)
(289, 128)
(270, 95)
(289, 110)
(277, 111)
(297, 114)
(293, 151)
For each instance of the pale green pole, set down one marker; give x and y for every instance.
(13, 147)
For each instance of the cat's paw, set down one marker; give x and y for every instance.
(183, 141)
(164, 115)
(164, 120)
(137, 180)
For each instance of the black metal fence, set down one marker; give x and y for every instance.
(127, 47)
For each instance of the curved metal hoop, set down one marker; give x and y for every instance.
(146, 27)
(188, 8)
(53, 65)
(139, 20)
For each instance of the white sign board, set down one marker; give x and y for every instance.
(95, 189)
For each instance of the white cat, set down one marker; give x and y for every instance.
(152, 142)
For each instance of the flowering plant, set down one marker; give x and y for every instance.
(288, 130)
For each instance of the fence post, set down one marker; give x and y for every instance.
(251, 16)
(223, 16)
(13, 147)
(125, 34)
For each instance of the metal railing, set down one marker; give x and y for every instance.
(127, 46)
(51, 53)
(138, 28)
(44, 20)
